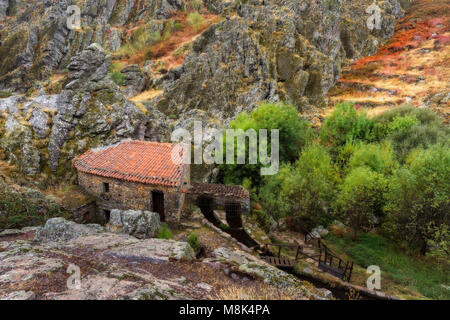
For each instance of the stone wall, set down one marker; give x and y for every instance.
(126, 195)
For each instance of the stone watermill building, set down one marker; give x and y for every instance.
(140, 175)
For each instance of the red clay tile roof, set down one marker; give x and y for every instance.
(131, 160)
(211, 189)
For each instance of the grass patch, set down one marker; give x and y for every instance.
(193, 241)
(164, 232)
(398, 269)
(5, 94)
(196, 20)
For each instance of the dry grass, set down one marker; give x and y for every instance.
(259, 291)
(165, 50)
(69, 196)
(146, 95)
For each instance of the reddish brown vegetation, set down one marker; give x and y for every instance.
(424, 21)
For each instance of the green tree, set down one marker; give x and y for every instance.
(304, 190)
(294, 134)
(418, 197)
(345, 125)
(378, 157)
(360, 199)
(409, 128)
(271, 196)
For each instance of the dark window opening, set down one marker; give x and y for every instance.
(105, 187)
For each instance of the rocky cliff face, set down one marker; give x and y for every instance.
(62, 99)
(45, 132)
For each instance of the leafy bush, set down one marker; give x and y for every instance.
(439, 243)
(377, 157)
(196, 20)
(18, 211)
(345, 125)
(196, 4)
(409, 128)
(402, 123)
(294, 134)
(164, 232)
(5, 94)
(118, 77)
(359, 201)
(418, 197)
(303, 191)
(141, 40)
(193, 241)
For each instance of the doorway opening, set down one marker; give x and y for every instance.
(158, 204)
(107, 215)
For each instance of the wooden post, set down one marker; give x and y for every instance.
(350, 273)
(279, 251)
(296, 254)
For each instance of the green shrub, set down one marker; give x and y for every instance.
(418, 197)
(196, 20)
(402, 123)
(193, 241)
(345, 125)
(178, 26)
(359, 201)
(196, 4)
(409, 128)
(294, 134)
(304, 190)
(377, 157)
(263, 219)
(118, 77)
(5, 94)
(164, 232)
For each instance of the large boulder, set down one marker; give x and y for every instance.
(60, 229)
(141, 224)
(246, 263)
(154, 250)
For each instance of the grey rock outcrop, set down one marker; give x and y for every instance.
(51, 130)
(141, 224)
(251, 265)
(135, 80)
(271, 50)
(60, 229)
(154, 250)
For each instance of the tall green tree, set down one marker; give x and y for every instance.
(304, 190)
(344, 125)
(359, 200)
(418, 199)
(294, 134)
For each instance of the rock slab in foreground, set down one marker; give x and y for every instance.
(154, 250)
(251, 265)
(141, 224)
(60, 229)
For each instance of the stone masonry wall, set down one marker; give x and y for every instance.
(131, 195)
